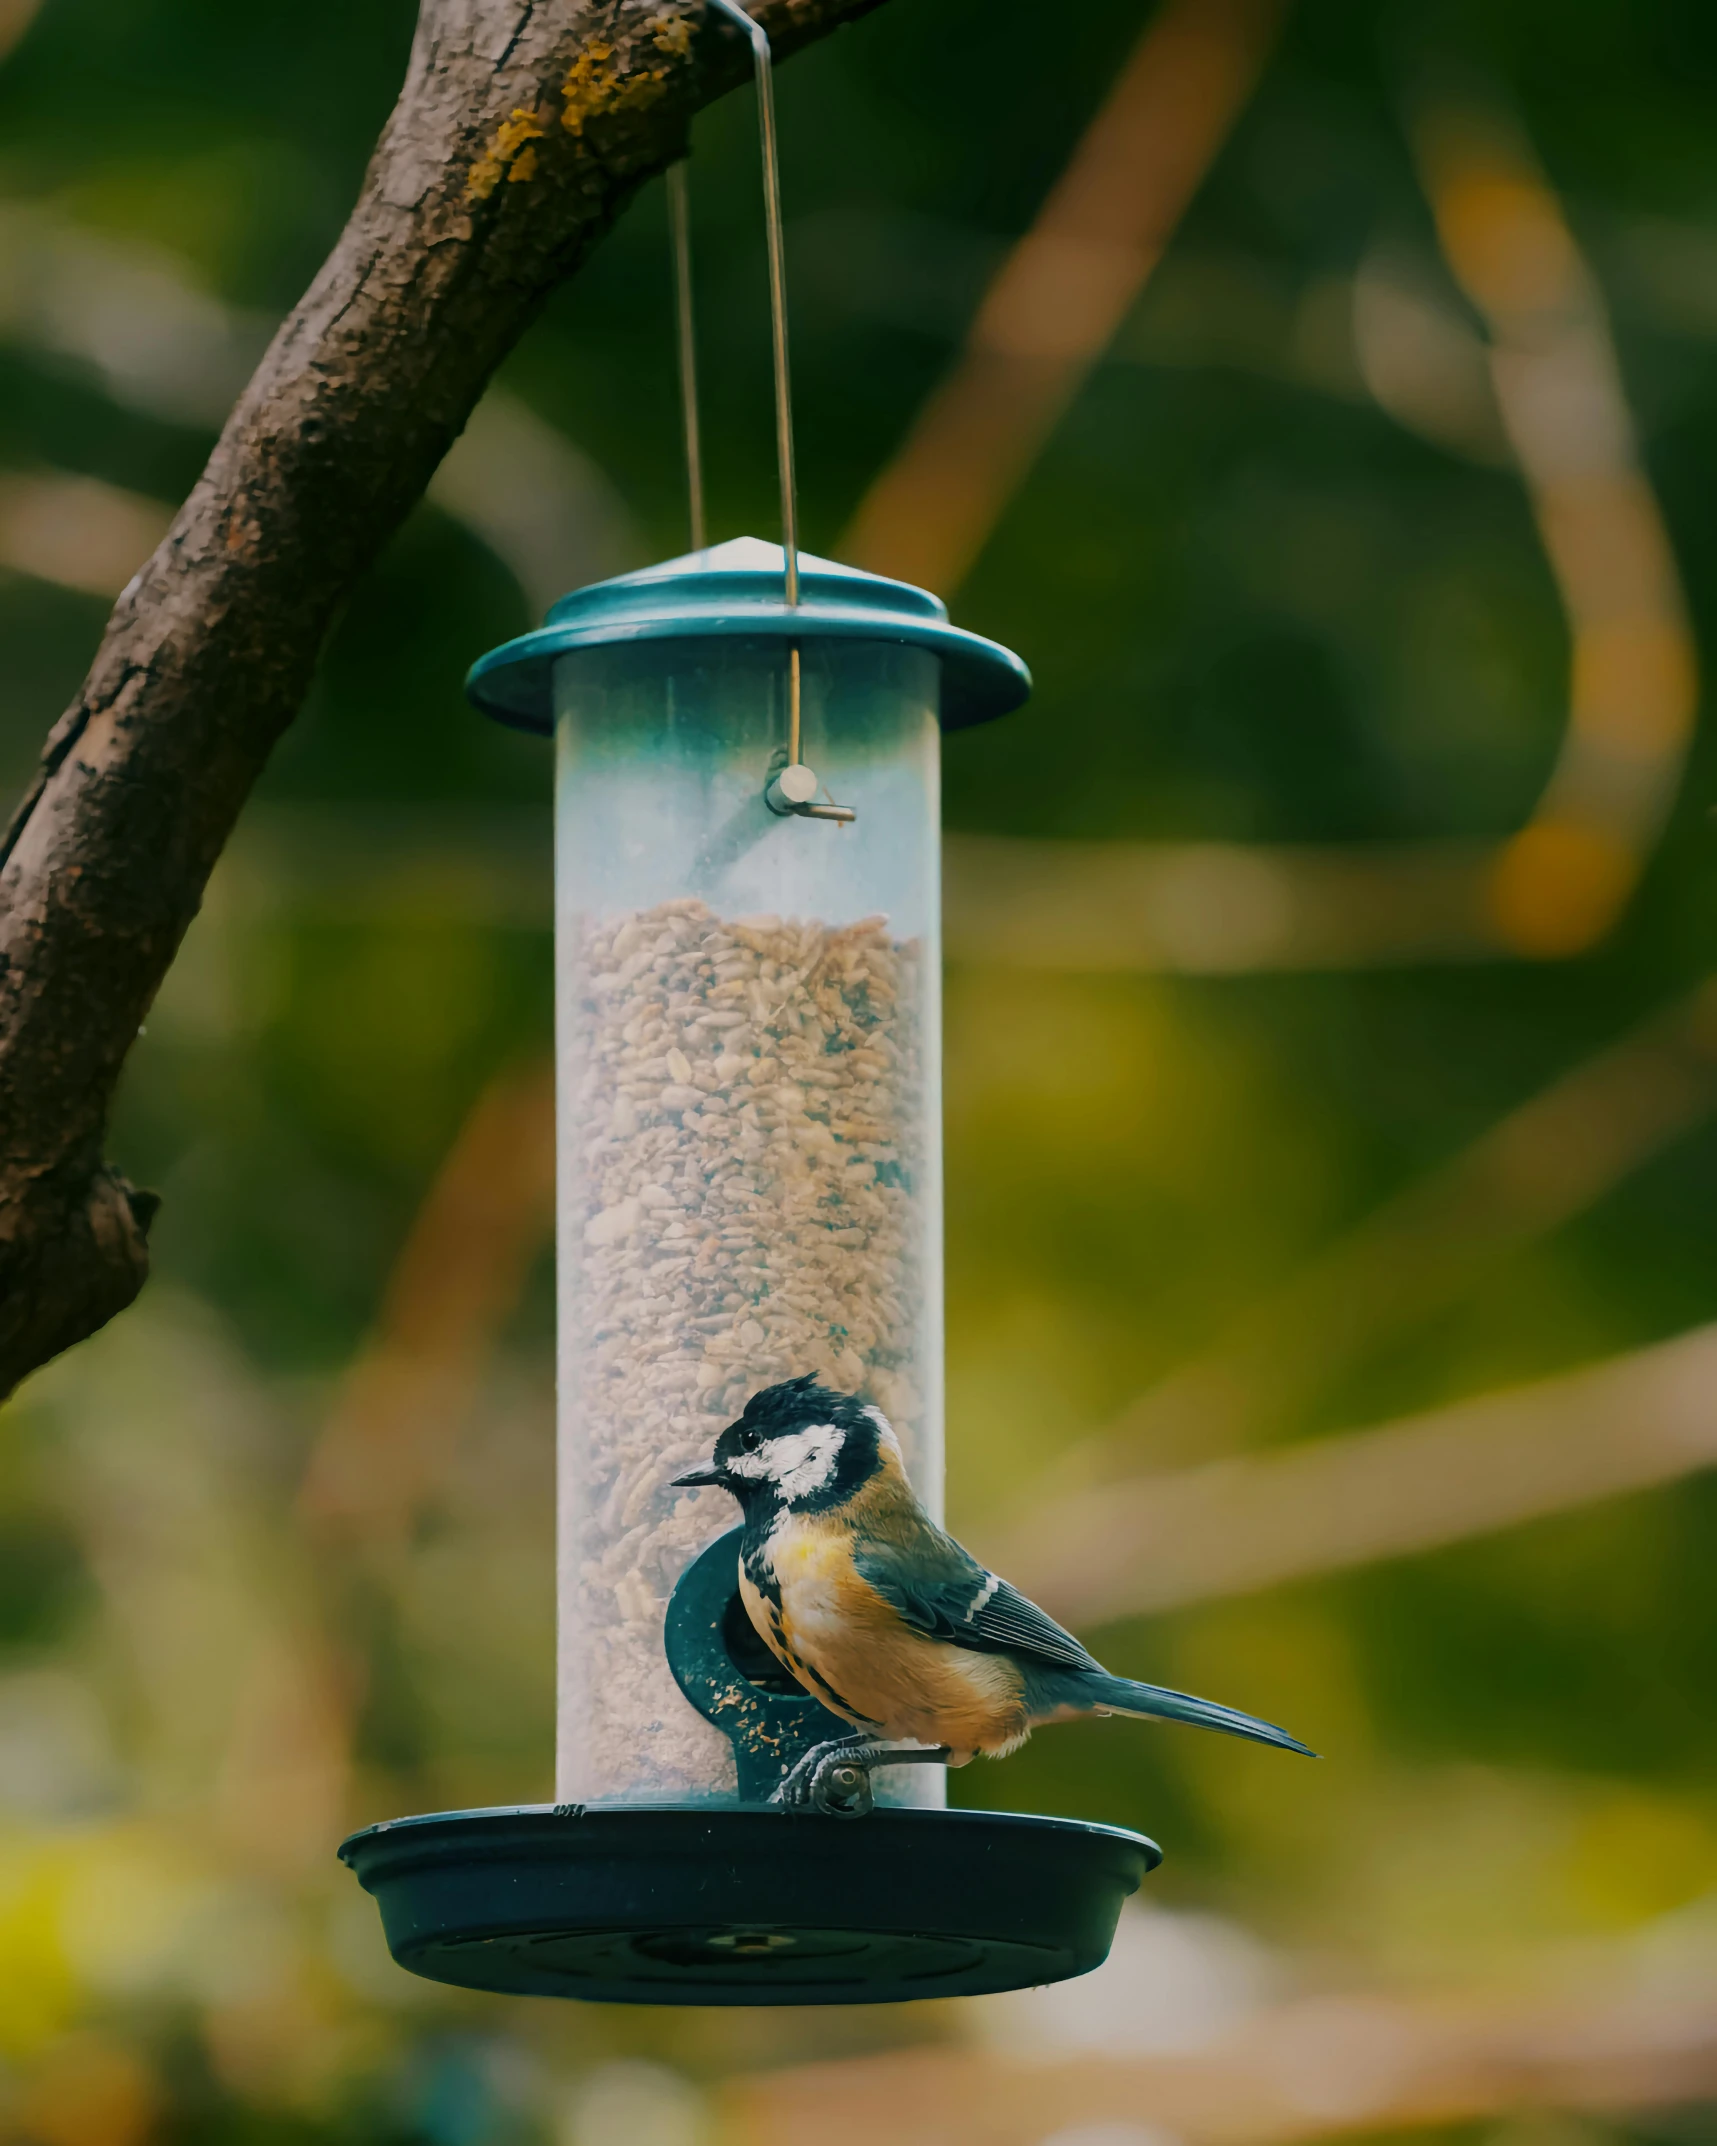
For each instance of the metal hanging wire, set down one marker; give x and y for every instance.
(792, 788)
(762, 60)
(685, 336)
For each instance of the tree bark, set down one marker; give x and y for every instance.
(522, 131)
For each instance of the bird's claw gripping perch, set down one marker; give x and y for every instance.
(836, 1778)
(840, 1785)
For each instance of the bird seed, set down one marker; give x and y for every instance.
(741, 1117)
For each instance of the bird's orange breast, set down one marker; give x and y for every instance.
(854, 1651)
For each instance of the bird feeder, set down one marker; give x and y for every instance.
(747, 876)
(748, 1014)
(747, 1037)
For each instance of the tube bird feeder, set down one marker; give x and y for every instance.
(749, 1189)
(747, 1036)
(747, 882)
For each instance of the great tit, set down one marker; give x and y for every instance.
(884, 1618)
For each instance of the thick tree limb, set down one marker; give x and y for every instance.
(523, 129)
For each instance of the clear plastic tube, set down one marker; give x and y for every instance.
(750, 1142)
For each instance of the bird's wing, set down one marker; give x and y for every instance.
(942, 1590)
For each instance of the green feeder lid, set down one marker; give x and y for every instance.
(737, 589)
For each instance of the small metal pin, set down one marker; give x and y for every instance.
(791, 793)
(792, 786)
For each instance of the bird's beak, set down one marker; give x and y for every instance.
(708, 1477)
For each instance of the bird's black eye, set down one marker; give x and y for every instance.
(750, 1440)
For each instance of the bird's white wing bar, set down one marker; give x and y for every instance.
(943, 1591)
(981, 1600)
(1007, 1621)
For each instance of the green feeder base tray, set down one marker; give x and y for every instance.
(709, 1905)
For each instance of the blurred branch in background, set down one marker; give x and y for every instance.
(456, 1280)
(196, 1868)
(126, 312)
(1547, 1161)
(1050, 313)
(385, 1448)
(1161, 1542)
(163, 346)
(77, 531)
(16, 17)
(541, 506)
(1320, 2067)
(1559, 884)
(1211, 908)
(540, 503)
(1545, 392)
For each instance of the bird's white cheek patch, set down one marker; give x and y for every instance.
(799, 1464)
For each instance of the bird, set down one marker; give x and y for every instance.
(877, 1612)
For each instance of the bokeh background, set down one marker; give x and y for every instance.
(1324, 399)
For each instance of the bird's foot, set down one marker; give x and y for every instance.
(794, 1792)
(835, 1778)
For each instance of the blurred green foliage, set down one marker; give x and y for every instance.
(1258, 609)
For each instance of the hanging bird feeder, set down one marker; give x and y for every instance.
(748, 1019)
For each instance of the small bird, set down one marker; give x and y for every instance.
(884, 1618)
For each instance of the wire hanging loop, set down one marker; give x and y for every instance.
(761, 58)
(791, 787)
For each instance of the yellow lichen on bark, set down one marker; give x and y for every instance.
(511, 138)
(591, 87)
(595, 87)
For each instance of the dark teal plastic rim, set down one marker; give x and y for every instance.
(736, 591)
(708, 1905)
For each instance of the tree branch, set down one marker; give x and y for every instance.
(522, 131)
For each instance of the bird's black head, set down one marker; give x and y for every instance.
(798, 1447)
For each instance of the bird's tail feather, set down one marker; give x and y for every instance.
(1150, 1702)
